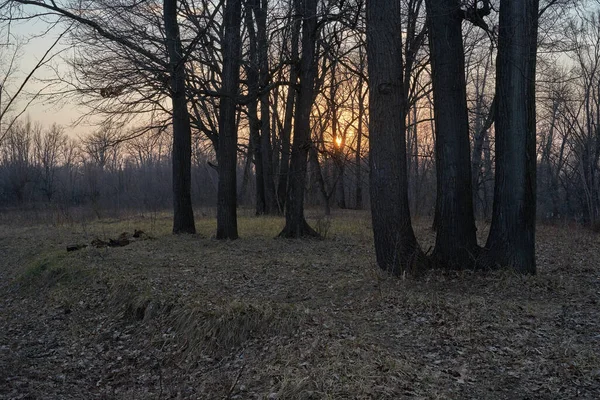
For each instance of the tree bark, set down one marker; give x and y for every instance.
(252, 75)
(359, 135)
(456, 243)
(183, 218)
(286, 133)
(396, 246)
(227, 156)
(295, 223)
(260, 14)
(488, 176)
(512, 234)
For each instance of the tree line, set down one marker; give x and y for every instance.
(299, 94)
(110, 173)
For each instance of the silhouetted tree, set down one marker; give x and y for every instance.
(456, 243)
(396, 247)
(290, 106)
(227, 152)
(130, 40)
(183, 221)
(512, 234)
(295, 223)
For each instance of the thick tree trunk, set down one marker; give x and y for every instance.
(183, 218)
(295, 223)
(456, 243)
(512, 234)
(396, 247)
(227, 156)
(290, 103)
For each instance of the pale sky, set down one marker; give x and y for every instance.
(45, 111)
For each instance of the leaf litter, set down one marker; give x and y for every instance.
(264, 318)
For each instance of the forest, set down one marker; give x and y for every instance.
(297, 199)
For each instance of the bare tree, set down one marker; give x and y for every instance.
(480, 94)
(512, 234)
(295, 223)
(396, 247)
(47, 147)
(290, 103)
(14, 99)
(362, 94)
(456, 243)
(260, 8)
(227, 153)
(183, 221)
(108, 25)
(255, 143)
(18, 157)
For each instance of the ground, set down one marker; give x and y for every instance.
(189, 317)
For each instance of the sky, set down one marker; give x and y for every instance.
(46, 111)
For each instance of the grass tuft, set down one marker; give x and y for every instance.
(49, 270)
(218, 330)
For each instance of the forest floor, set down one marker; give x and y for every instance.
(189, 317)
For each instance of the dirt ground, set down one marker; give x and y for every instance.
(189, 317)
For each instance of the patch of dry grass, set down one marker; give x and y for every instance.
(191, 317)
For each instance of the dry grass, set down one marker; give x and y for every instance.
(192, 317)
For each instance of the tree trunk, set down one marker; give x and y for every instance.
(341, 185)
(396, 247)
(488, 176)
(242, 194)
(512, 234)
(286, 133)
(412, 160)
(254, 127)
(183, 218)
(456, 243)
(313, 159)
(227, 156)
(260, 205)
(482, 125)
(258, 157)
(476, 169)
(275, 135)
(260, 13)
(359, 135)
(295, 223)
